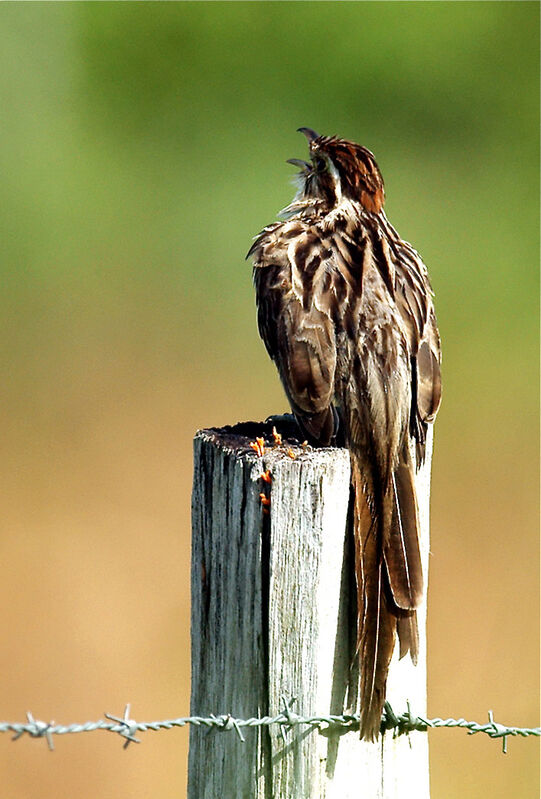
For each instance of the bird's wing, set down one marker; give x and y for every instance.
(298, 335)
(414, 300)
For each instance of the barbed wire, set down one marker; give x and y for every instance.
(127, 727)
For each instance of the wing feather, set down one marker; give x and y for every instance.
(298, 332)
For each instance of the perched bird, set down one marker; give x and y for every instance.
(346, 313)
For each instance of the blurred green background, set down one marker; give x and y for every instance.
(142, 146)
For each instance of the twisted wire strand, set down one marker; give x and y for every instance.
(127, 727)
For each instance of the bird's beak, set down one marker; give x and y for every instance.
(304, 166)
(309, 133)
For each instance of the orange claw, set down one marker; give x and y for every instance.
(258, 446)
(277, 437)
(266, 476)
(291, 454)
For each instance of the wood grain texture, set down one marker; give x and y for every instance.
(273, 609)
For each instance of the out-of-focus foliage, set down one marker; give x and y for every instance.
(142, 145)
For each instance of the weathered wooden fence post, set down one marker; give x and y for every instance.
(273, 616)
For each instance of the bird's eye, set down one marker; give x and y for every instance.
(319, 164)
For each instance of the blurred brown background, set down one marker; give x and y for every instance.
(142, 146)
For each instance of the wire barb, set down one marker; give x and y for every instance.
(228, 723)
(290, 718)
(37, 729)
(128, 726)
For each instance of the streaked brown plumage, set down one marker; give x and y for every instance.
(345, 310)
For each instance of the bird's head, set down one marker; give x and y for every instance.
(338, 170)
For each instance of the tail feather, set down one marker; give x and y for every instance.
(389, 583)
(376, 625)
(408, 635)
(401, 549)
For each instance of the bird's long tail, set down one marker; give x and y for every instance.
(389, 580)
